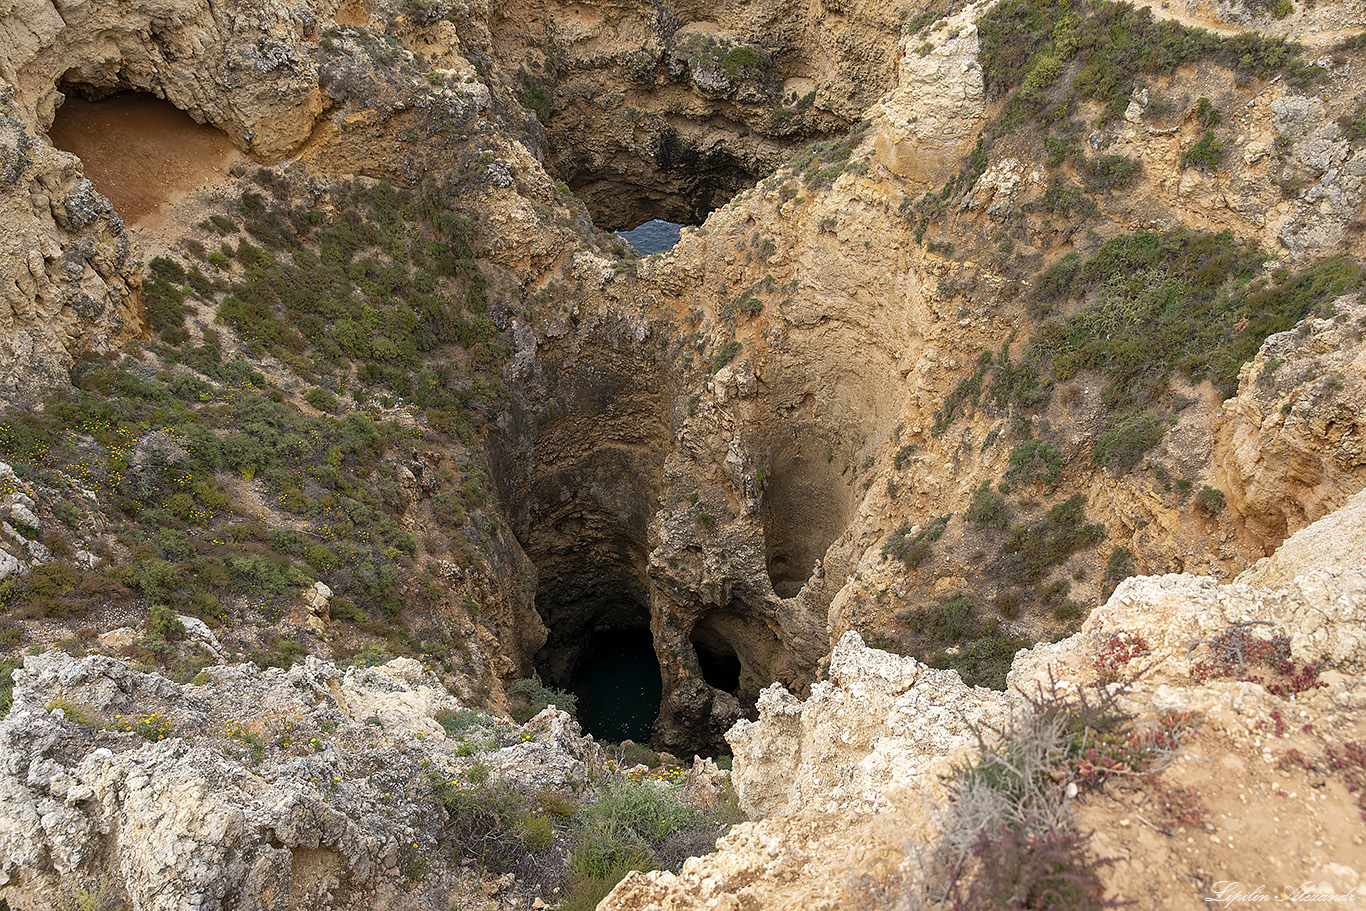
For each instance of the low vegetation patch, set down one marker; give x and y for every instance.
(582, 843)
(1240, 654)
(954, 635)
(912, 545)
(1009, 841)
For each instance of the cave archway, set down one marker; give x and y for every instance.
(739, 652)
(140, 151)
(717, 657)
(579, 466)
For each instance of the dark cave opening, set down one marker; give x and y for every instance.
(579, 468)
(738, 651)
(140, 151)
(682, 181)
(619, 687)
(718, 660)
(600, 649)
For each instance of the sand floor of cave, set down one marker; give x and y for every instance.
(143, 153)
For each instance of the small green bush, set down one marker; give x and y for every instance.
(1034, 462)
(1118, 567)
(1129, 437)
(1112, 172)
(322, 400)
(538, 698)
(988, 508)
(7, 669)
(164, 622)
(727, 354)
(1206, 155)
(1207, 113)
(607, 852)
(914, 547)
(1031, 549)
(652, 812)
(1210, 499)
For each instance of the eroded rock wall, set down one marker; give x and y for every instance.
(253, 788)
(843, 786)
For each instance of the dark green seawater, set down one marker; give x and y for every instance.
(619, 688)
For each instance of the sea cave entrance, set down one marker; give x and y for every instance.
(619, 686)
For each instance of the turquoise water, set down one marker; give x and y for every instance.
(619, 688)
(654, 236)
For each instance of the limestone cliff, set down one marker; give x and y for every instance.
(901, 377)
(249, 789)
(846, 787)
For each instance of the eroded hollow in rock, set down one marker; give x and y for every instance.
(579, 465)
(141, 152)
(738, 652)
(807, 503)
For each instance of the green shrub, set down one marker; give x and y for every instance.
(988, 508)
(535, 830)
(955, 619)
(727, 354)
(607, 852)
(963, 397)
(1159, 303)
(279, 651)
(1210, 499)
(322, 400)
(952, 635)
(1111, 172)
(7, 668)
(913, 547)
(1027, 45)
(1206, 155)
(1031, 549)
(163, 622)
(1207, 113)
(1129, 437)
(654, 813)
(456, 722)
(1034, 461)
(534, 96)
(538, 698)
(1118, 567)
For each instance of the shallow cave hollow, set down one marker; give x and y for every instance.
(138, 150)
(738, 652)
(806, 506)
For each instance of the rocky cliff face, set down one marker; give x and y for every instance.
(844, 786)
(249, 789)
(875, 388)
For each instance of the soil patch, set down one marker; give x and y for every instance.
(141, 152)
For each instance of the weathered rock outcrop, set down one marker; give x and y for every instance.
(666, 110)
(262, 789)
(1291, 447)
(843, 786)
(68, 278)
